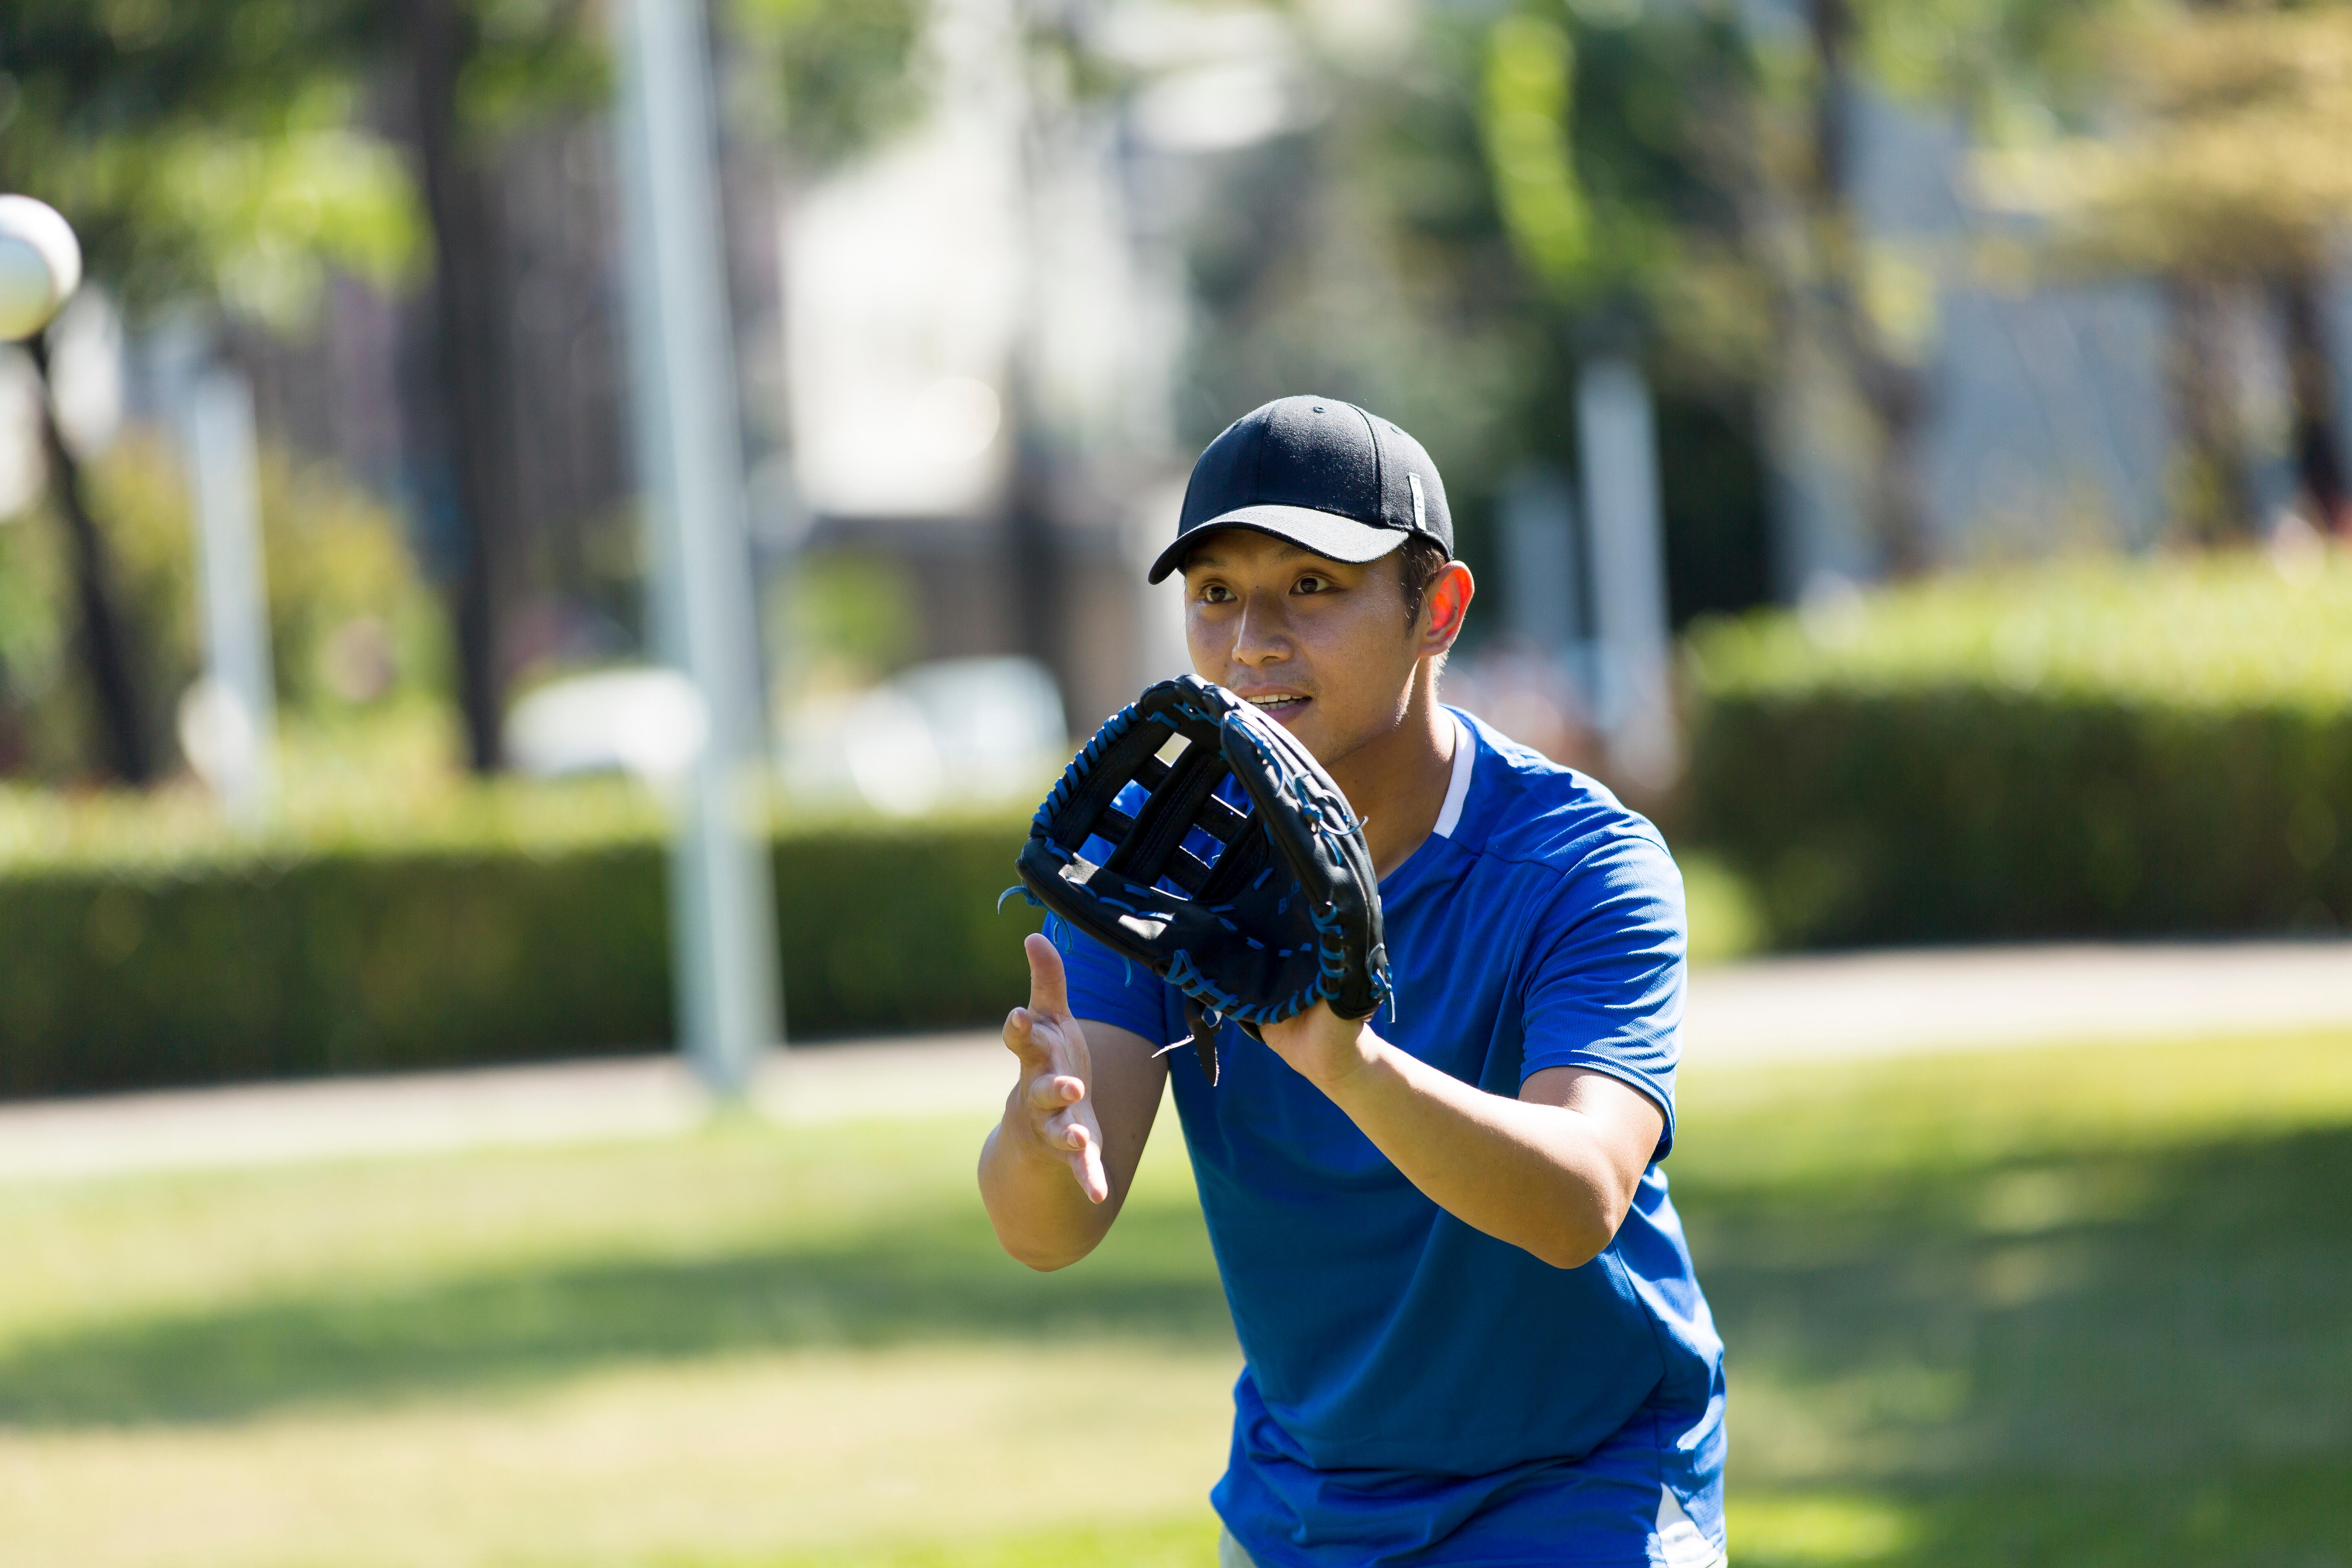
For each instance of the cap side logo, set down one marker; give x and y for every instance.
(1418, 524)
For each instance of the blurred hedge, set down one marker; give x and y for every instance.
(371, 957)
(2093, 749)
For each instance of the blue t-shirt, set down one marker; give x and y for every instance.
(1416, 1392)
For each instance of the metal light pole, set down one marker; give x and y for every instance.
(239, 694)
(690, 457)
(1620, 447)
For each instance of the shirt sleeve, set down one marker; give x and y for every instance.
(1607, 992)
(1109, 987)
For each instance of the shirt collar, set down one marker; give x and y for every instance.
(1465, 757)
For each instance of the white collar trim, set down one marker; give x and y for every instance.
(1465, 757)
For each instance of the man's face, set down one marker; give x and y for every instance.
(1322, 646)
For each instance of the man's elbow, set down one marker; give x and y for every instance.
(1044, 1260)
(1579, 1237)
(1569, 1251)
(1047, 1247)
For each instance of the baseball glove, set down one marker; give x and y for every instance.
(1255, 916)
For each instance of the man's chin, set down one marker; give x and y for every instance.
(1307, 727)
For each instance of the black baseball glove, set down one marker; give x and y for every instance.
(1255, 916)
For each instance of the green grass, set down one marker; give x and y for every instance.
(2077, 1307)
(2072, 1307)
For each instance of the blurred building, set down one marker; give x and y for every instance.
(2049, 416)
(977, 343)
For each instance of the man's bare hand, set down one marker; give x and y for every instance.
(1049, 1114)
(1322, 1046)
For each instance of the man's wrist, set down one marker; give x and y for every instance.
(1376, 1070)
(1016, 1138)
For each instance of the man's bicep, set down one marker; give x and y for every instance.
(1626, 1120)
(1126, 1085)
(1605, 992)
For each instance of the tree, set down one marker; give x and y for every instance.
(824, 77)
(202, 150)
(1483, 207)
(224, 153)
(2228, 171)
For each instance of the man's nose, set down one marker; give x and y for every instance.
(1261, 637)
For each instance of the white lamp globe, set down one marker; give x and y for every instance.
(40, 265)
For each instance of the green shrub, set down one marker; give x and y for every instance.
(372, 956)
(2092, 749)
(351, 622)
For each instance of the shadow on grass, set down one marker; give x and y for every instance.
(2263, 1515)
(2110, 1354)
(2122, 1309)
(2117, 1357)
(919, 1281)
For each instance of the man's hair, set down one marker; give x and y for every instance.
(1419, 562)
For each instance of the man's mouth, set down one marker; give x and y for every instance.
(1281, 705)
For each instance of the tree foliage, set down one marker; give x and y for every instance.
(2227, 155)
(206, 150)
(824, 78)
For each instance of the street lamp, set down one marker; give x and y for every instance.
(40, 265)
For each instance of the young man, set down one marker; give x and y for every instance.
(1471, 1330)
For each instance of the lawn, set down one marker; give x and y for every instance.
(2069, 1307)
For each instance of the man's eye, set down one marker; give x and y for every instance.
(1311, 584)
(1215, 594)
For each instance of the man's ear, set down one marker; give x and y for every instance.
(1444, 608)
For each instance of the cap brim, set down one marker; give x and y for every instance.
(1325, 533)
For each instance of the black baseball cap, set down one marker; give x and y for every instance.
(1322, 474)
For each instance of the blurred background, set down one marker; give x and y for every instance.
(1903, 447)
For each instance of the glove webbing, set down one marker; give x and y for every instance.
(1149, 844)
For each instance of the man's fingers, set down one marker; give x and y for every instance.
(1033, 1039)
(1086, 1163)
(1050, 1092)
(1049, 988)
(1072, 1131)
(1043, 1037)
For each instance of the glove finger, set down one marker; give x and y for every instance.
(1313, 828)
(1265, 765)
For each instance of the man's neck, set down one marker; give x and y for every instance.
(1397, 783)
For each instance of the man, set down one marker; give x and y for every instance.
(1472, 1329)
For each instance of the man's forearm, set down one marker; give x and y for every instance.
(1041, 1216)
(1541, 1177)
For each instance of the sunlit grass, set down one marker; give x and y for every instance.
(832, 1453)
(1823, 1528)
(2065, 1307)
